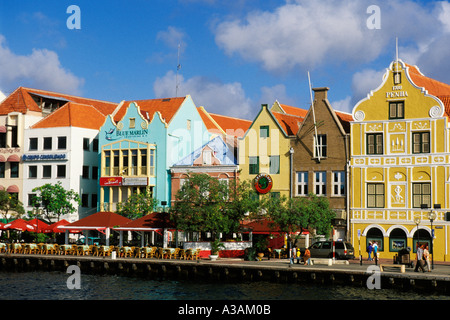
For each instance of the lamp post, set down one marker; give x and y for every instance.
(432, 217)
(417, 222)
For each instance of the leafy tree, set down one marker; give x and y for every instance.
(55, 200)
(137, 205)
(206, 204)
(291, 215)
(10, 205)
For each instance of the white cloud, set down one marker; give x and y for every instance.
(172, 37)
(217, 97)
(40, 69)
(309, 33)
(344, 105)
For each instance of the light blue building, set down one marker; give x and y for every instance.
(140, 141)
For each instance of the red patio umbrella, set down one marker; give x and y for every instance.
(20, 225)
(39, 225)
(54, 227)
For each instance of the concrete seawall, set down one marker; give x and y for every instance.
(229, 270)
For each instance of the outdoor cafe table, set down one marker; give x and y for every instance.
(126, 250)
(31, 248)
(65, 248)
(48, 248)
(83, 250)
(16, 248)
(169, 251)
(278, 251)
(3, 247)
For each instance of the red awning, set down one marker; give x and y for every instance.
(264, 227)
(2, 129)
(150, 222)
(98, 220)
(54, 227)
(2, 158)
(14, 158)
(13, 189)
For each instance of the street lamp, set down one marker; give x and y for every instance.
(417, 222)
(432, 217)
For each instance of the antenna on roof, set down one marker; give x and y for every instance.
(178, 68)
(396, 53)
(316, 138)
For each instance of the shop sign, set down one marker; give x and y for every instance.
(44, 157)
(110, 181)
(263, 183)
(135, 181)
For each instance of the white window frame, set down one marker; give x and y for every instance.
(321, 184)
(301, 182)
(340, 183)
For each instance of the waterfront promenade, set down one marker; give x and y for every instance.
(233, 269)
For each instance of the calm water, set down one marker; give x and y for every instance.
(53, 286)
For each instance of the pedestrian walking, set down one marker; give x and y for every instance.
(307, 257)
(375, 251)
(419, 258)
(293, 254)
(369, 250)
(426, 257)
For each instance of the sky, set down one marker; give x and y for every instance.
(230, 56)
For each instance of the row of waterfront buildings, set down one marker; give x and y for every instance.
(384, 168)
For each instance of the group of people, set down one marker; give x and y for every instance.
(372, 247)
(296, 254)
(422, 257)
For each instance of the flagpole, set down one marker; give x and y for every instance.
(316, 139)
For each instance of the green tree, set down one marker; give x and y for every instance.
(137, 205)
(55, 200)
(10, 205)
(206, 204)
(292, 215)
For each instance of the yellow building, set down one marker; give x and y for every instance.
(264, 149)
(400, 169)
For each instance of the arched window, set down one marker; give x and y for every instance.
(375, 234)
(397, 240)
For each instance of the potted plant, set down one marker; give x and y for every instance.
(261, 247)
(216, 246)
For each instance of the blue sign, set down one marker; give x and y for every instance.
(44, 157)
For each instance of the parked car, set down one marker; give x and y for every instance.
(324, 249)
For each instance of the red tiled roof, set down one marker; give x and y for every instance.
(167, 107)
(210, 123)
(294, 110)
(232, 126)
(73, 115)
(21, 100)
(289, 123)
(153, 220)
(99, 220)
(434, 87)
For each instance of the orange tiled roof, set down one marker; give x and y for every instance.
(293, 110)
(73, 115)
(234, 126)
(434, 87)
(289, 123)
(21, 100)
(345, 119)
(167, 107)
(210, 123)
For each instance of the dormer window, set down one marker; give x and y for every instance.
(396, 110)
(207, 157)
(397, 77)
